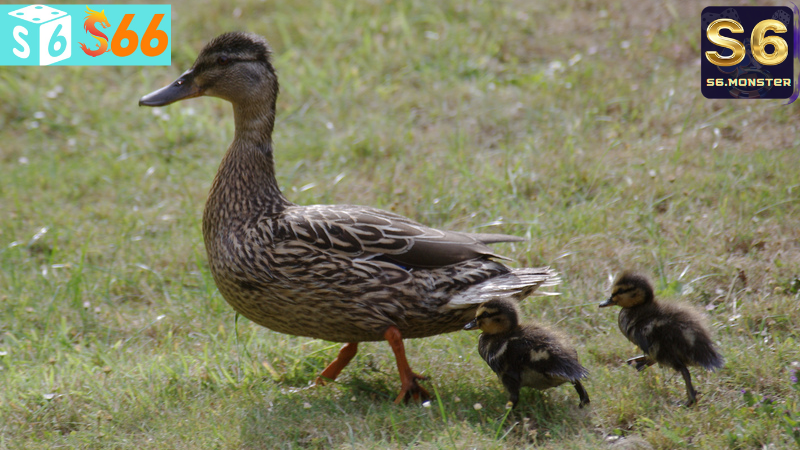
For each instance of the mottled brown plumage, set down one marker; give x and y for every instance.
(335, 272)
(528, 354)
(670, 334)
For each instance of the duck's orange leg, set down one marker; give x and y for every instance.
(408, 379)
(346, 353)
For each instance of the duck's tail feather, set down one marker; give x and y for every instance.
(517, 284)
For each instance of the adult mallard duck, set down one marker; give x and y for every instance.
(527, 354)
(336, 272)
(670, 334)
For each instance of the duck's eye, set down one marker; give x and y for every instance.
(223, 60)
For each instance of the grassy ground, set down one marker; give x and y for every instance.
(580, 126)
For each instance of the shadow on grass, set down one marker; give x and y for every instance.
(360, 412)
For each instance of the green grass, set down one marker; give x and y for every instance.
(579, 126)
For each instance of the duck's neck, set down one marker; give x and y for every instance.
(245, 185)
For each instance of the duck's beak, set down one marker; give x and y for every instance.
(472, 325)
(182, 88)
(608, 302)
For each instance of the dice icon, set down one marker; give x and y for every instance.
(42, 36)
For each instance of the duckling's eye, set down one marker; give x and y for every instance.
(223, 60)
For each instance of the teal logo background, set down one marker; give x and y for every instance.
(53, 35)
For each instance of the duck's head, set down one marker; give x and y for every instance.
(233, 66)
(496, 317)
(630, 289)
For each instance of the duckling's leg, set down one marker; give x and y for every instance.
(512, 384)
(347, 352)
(690, 392)
(408, 379)
(582, 393)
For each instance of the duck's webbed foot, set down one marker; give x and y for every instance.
(640, 362)
(409, 388)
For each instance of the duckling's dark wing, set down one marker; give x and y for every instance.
(366, 233)
(548, 356)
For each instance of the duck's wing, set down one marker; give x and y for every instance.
(368, 233)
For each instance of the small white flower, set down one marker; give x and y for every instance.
(625, 45)
(38, 115)
(426, 404)
(329, 125)
(477, 406)
(307, 405)
(23, 160)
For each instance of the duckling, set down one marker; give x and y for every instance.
(672, 335)
(341, 273)
(525, 354)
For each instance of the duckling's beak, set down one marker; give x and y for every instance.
(608, 302)
(472, 325)
(182, 88)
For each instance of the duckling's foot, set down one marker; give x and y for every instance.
(640, 362)
(408, 379)
(346, 353)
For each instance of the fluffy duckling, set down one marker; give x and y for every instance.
(525, 354)
(672, 335)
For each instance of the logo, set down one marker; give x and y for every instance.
(43, 34)
(111, 35)
(748, 52)
(90, 25)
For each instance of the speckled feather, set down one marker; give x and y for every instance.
(335, 272)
